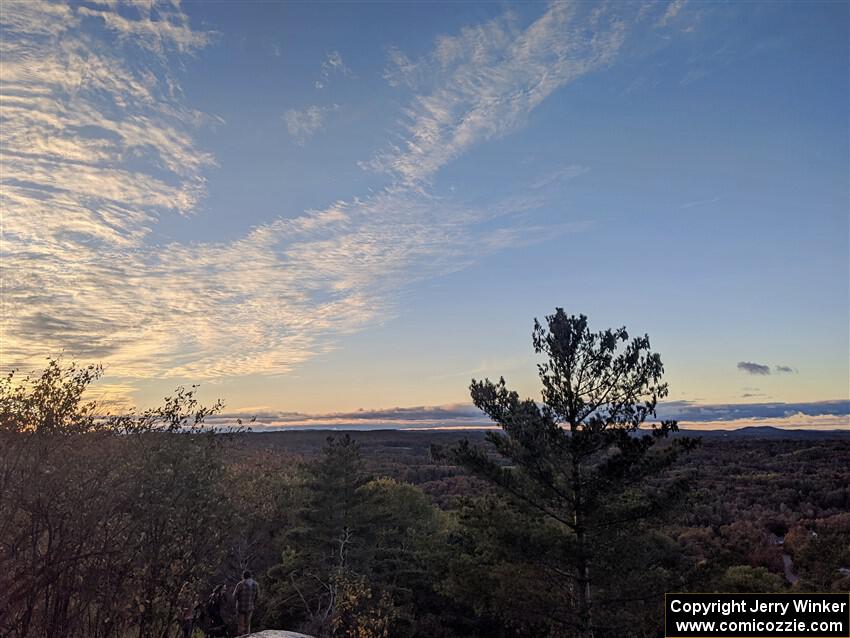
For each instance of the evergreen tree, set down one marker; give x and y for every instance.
(322, 550)
(577, 469)
(357, 564)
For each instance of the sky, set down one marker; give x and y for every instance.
(337, 214)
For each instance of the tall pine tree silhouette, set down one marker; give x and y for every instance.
(579, 460)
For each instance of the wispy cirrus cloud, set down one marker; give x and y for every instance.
(99, 145)
(700, 202)
(168, 30)
(303, 124)
(484, 82)
(560, 175)
(671, 12)
(400, 70)
(75, 115)
(331, 66)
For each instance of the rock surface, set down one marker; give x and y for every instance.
(275, 633)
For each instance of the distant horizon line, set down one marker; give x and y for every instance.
(817, 415)
(490, 428)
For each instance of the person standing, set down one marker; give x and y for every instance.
(213, 609)
(187, 621)
(246, 593)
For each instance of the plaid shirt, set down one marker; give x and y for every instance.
(246, 593)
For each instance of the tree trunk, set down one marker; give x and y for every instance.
(583, 591)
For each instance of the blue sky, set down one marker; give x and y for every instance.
(317, 208)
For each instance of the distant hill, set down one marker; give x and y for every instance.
(415, 443)
(769, 432)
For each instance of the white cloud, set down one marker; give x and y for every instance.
(170, 30)
(332, 65)
(560, 175)
(400, 70)
(305, 123)
(76, 115)
(700, 202)
(487, 79)
(672, 11)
